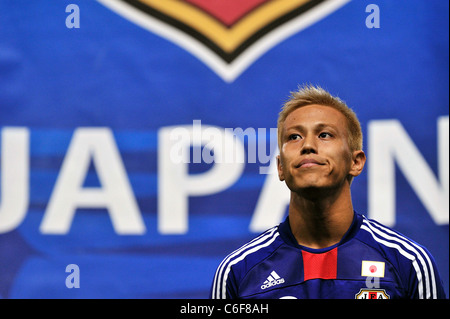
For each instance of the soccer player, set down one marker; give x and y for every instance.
(324, 249)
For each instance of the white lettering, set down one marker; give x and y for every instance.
(175, 184)
(197, 309)
(14, 177)
(389, 143)
(115, 194)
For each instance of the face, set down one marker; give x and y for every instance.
(314, 149)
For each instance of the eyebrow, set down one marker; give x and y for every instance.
(319, 126)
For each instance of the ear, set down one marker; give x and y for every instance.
(358, 161)
(280, 168)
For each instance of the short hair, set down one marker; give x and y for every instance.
(308, 95)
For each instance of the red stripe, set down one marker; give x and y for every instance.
(320, 266)
(227, 11)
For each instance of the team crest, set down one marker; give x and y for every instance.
(372, 294)
(227, 35)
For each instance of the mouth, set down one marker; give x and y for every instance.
(308, 162)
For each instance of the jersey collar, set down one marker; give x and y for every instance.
(286, 234)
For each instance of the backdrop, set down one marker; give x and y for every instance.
(136, 135)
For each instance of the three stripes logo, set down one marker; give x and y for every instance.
(273, 280)
(227, 35)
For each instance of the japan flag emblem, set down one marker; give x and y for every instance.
(372, 268)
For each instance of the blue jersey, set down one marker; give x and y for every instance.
(371, 261)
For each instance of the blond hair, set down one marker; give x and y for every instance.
(308, 95)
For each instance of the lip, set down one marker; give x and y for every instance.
(308, 162)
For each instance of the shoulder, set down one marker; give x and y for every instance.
(414, 262)
(235, 266)
(391, 241)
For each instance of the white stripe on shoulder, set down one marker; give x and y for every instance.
(410, 250)
(428, 268)
(235, 261)
(220, 278)
(409, 256)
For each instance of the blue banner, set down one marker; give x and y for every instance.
(137, 136)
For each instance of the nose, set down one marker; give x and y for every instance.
(309, 146)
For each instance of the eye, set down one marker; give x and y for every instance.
(294, 137)
(325, 135)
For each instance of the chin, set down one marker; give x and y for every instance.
(305, 187)
(310, 188)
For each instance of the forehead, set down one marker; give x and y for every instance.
(316, 114)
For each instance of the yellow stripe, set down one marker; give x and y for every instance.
(226, 38)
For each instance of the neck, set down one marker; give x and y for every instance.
(321, 220)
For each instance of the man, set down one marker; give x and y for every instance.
(324, 249)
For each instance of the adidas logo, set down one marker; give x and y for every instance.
(272, 280)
